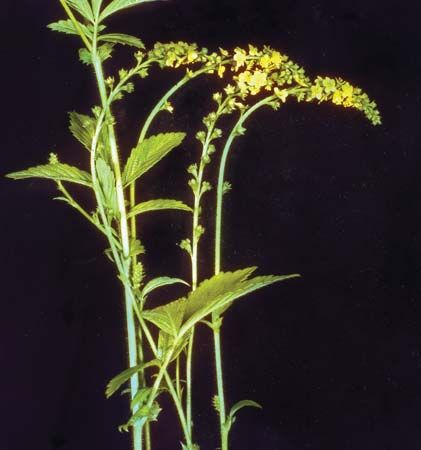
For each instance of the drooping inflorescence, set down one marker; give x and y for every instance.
(255, 71)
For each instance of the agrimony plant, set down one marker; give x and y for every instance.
(161, 339)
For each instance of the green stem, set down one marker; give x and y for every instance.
(175, 393)
(216, 319)
(189, 372)
(221, 177)
(124, 234)
(76, 24)
(72, 202)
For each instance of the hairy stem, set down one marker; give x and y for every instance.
(124, 234)
(174, 391)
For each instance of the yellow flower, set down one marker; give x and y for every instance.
(337, 98)
(223, 51)
(240, 57)
(192, 55)
(265, 61)
(348, 102)
(258, 79)
(253, 50)
(316, 92)
(276, 58)
(243, 80)
(281, 94)
(221, 70)
(171, 58)
(347, 90)
(245, 77)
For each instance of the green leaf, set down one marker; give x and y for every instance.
(140, 398)
(167, 318)
(158, 205)
(96, 5)
(67, 27)
(141, 416)
(123, 39)
(85, 56)
(83, 128)
(118, 5)
(107, 181)
(148, 153)
(218, 293)
(136, 248)
(56, 171)
(166, 343)
(104, 53)
(83, 8)
(115, 383)
(159, 282)
(242, 404)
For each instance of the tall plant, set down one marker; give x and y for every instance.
(161, 339)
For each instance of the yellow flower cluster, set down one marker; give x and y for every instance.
(342, 93)
(263, 70)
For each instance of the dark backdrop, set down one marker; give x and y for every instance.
(334, 357)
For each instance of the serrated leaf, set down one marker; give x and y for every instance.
(83, 8)
(96, 5)
(148, 153)
(167, 318)
(243, 404)
(83, 128)
(115, 383)
(136, 248)
(141, 416)
(123, 39)
(159, 282)
(104, 52)
(55, 171)
(140, 398)
(217, 293)
(107, 181)
(85, 56)
(165, 343)
(118, 5)
(158, 205)
(67, 27)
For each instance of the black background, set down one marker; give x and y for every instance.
(334, 357)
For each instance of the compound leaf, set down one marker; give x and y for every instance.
(158, 205)
(148, 153)
(67, 27)
(54, 171)
(83, 8)
(123, 39)
(118, 5)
